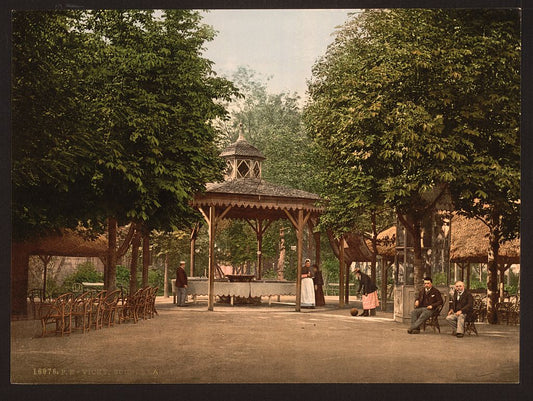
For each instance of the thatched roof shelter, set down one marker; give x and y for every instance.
(67, 243)
(470, 243)
(386, 243)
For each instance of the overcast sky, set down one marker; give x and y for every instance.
(283, 44)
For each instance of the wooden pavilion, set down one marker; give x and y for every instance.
(245, 195)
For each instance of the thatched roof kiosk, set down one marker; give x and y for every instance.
(470, 243)
(386, 244)
(67, 243)
(64, 243)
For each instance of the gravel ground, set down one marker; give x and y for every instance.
(263, 344)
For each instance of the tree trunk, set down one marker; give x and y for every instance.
(492, 278)
(111, 277)
(418, 261)
(373, 273)
(165, 286)
(347, 293)
(146, 258)
(20, 259)
(501, 283)
(383, 284)
(136, 242)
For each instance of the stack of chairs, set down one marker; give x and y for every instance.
(94, 310)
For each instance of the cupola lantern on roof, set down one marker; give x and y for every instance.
(242, 159)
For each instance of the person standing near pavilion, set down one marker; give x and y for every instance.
(428, 299)
(368, 290)
(318, 281)
(462, 304)
(181, 284)
(307, 298)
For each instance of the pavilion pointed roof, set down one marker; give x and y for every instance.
(252, 197)
(242, 148)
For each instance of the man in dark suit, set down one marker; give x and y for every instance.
(181, 284)
(461, 305)
(428, 299)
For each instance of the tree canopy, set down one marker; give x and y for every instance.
(112, 115)
(406, 100)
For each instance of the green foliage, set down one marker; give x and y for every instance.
(123, 277)
(236, 243)
(439, 278)
(156, 278)
(400, 104)
(85, 272)
(273, 123)
(406, 100)
(112, 113)
(330, 270)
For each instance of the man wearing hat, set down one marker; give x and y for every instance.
(181, 284)
(428, 299)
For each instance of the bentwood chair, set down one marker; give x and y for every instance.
(36, 297)
(97, 309)
(153, 296)
(81, 311)
(433, 320)
(128, 311)
(110, 307)
(58, 312)
(470, 323)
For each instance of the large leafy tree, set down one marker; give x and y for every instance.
(112, 116)
(395, 104)
(50, 121)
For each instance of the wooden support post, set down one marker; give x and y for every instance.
(211, 291)
(341, 272)
(468, 273)
(194, 235)
(192, 257)
(165, 286)
(259, 233)
(299, 234)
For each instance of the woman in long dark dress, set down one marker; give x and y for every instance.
(318, 281)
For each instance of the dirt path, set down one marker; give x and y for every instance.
(262, 345)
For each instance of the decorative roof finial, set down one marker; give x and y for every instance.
(241, 133)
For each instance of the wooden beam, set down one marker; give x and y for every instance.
(306, 218)
(206, 215)
(269, 222)
(224, 213)
(291, 218)
(251, 225)
(299, 236)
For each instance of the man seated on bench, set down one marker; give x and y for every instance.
(428, 299)
(461, 304)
